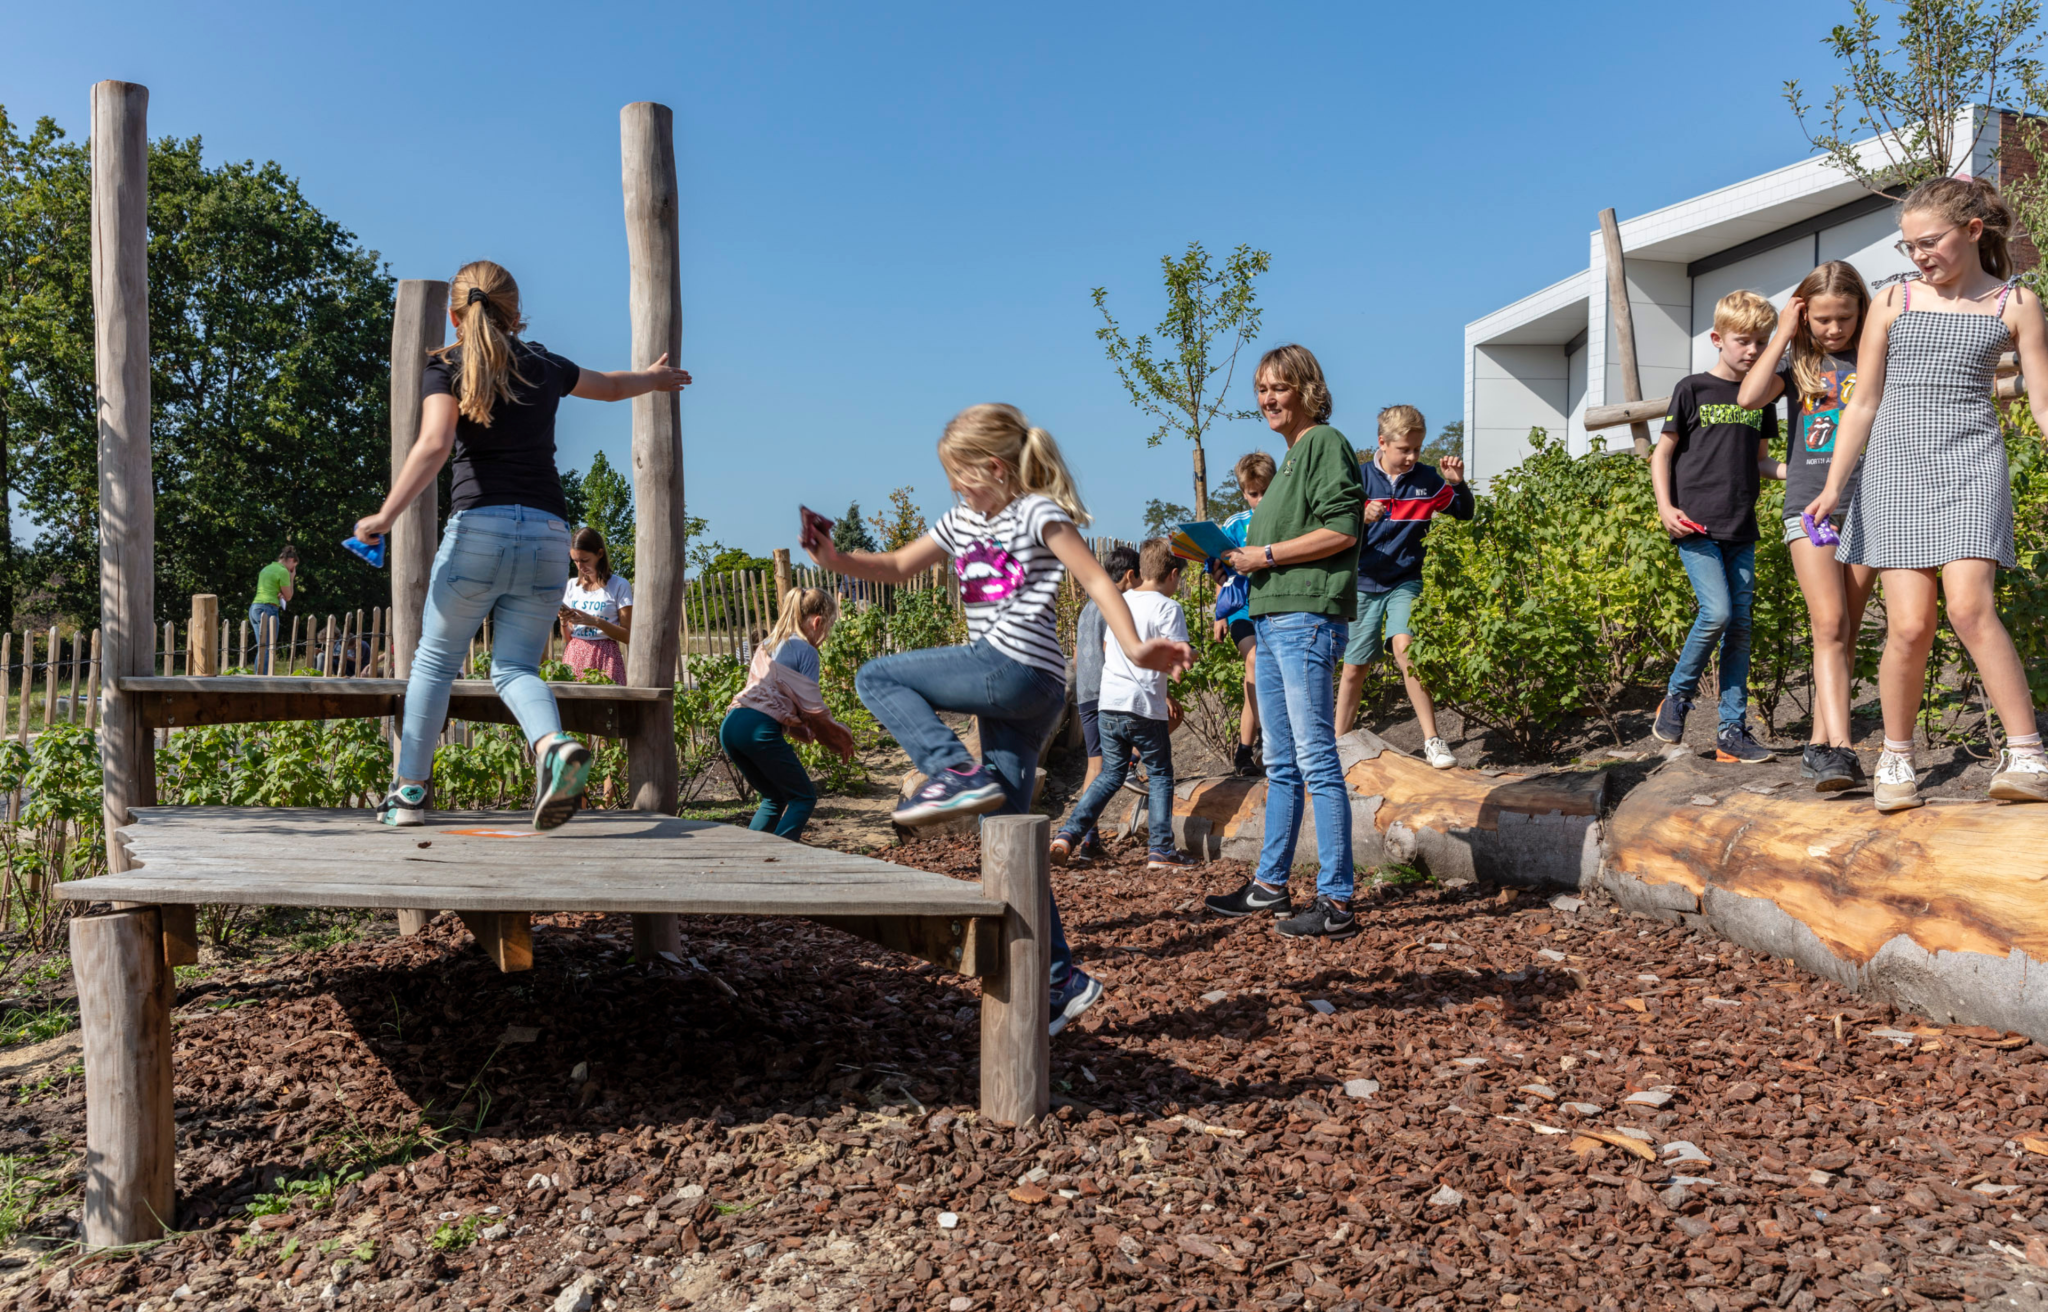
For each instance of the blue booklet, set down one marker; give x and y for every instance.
(1201, 540)
(373, 554)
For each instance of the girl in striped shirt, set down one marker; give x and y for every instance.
(1011, 539)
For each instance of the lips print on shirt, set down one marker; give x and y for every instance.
(987, 574)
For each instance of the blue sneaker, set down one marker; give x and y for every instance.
(1072, 996)
(1736, 745)
(1167, 859)
(561, 772)
(405, 805)
(1090, 848)
(1670, 724)
(1062, 850)
(949, 793)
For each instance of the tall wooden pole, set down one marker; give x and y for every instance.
(784, 581)
(124, 1016)
(1016, 1055)
(648, 176)
(419, 324)
(1624, 321)
(120, 296)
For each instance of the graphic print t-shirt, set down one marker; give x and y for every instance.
(602, 601)
(1714, 477)
(1814, 421)
(1009, 578)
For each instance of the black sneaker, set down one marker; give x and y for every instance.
(562, 770)
(1323, 919)
(1735, 745)
(1090, 848)
(1247, 766)
(406, 805)
(1072, 996)
(1167, 858)
(949, 793)
(1826, 767)
(1854, 764)
(1670, 723)
(1251, 900)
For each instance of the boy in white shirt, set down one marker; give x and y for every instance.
(1133, 710)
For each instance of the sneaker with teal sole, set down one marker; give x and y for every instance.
(406, 805)
(562, 771)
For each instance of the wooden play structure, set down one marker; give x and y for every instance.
(489, 868)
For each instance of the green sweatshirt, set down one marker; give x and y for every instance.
(1317, 486)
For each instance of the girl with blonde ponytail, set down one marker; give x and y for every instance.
(782, 696)
(489, 401)
(1011, 540)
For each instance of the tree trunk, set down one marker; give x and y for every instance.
(1201, 482)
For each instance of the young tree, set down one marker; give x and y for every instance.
(1947, 56)
(1162, 517)
(608, 508)
(1211, 314)
(902, 524)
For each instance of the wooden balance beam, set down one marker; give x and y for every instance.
(498, 873)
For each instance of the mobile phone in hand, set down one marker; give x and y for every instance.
(1692, 525)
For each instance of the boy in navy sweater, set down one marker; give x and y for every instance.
(1401, 496)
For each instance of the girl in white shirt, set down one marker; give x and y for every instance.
(596, 611)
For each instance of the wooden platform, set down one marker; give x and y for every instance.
(171, 701)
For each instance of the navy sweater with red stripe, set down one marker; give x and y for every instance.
(1392, 551)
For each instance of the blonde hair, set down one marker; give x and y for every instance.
(1156, 561)
(798, 605)
(1961, 199)
(486, 304)
(1835, 278)
(1744, 312)
(1254, 473)
(1398, 420)
(1298, 368)
(1001, 433)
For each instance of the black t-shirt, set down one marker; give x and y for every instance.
(1714, 475)
(1814, 421)
(511, 463)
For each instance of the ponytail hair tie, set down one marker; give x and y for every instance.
(477, 294)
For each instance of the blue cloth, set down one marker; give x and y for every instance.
(1017, 706)
(1120, 732)
(1391, 553)
(510, 563)
(797, 654)
(1723, 578)
(260, 614)
(1298, 654)
(754, 742)
(1234, 529)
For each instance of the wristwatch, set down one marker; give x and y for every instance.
(1269, 557)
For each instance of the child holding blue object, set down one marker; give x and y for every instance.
(781, 697)
(1012, 539)
(1254, 474)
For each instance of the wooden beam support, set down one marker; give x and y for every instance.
(181, 934)
(1016, 989)
(505, 936)
(1622, 320)
(202, 653)
(413, 920)
(965, 945)
(124, 1017)
(1629, 412)
(419, 324)
(120, 296)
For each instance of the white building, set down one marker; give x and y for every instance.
(1539, 362)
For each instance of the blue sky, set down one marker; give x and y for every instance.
(891, 211)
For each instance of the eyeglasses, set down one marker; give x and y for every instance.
(1924, 246)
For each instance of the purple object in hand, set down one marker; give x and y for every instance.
(1819, 533)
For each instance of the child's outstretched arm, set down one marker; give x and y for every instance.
(625, 384)
(1761, 385)
(906, 562)
(1861, 412)
(1162, 654)
(2030, 337)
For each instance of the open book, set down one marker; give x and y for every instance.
(1201, 540)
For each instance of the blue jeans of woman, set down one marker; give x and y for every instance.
(510, 563)
(1723, 578)
(1298, 655)
(1119, 732)
(754, 742)
(265, 619)
(1016, 706)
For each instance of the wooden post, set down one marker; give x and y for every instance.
(1624, 325)
(242, 646)
(120, 296)
(124, 1015)
(268, 642)
(204, 658)
(51, 678)
(1016, 1052)
(92, 685)
(419, 324)
(376, 641)
(784, 580)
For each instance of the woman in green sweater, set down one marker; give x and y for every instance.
(1302, 558)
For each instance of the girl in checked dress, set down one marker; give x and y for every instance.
(1934, 513)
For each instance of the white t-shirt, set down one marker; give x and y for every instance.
(1009, 578)
(1125, 687)
(603, 602)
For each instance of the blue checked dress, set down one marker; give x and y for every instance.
(1936, 487)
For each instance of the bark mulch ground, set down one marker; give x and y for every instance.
(1480, 1100)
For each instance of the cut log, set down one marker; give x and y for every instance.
(124, 1016)
(1628, 412)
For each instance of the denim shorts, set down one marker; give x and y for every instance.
(1388, 610)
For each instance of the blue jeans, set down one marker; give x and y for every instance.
(757, 748)
(1723, 578)
(263, 614)
(1120, 731)
(1017, 707)
(510, 563)
(1298, 654)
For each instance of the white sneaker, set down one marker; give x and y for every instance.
(2021, 777)
(1438, 754)
(1895, 788)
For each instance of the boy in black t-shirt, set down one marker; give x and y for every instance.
(1706, 471)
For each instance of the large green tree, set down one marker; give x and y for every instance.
(269, 346)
